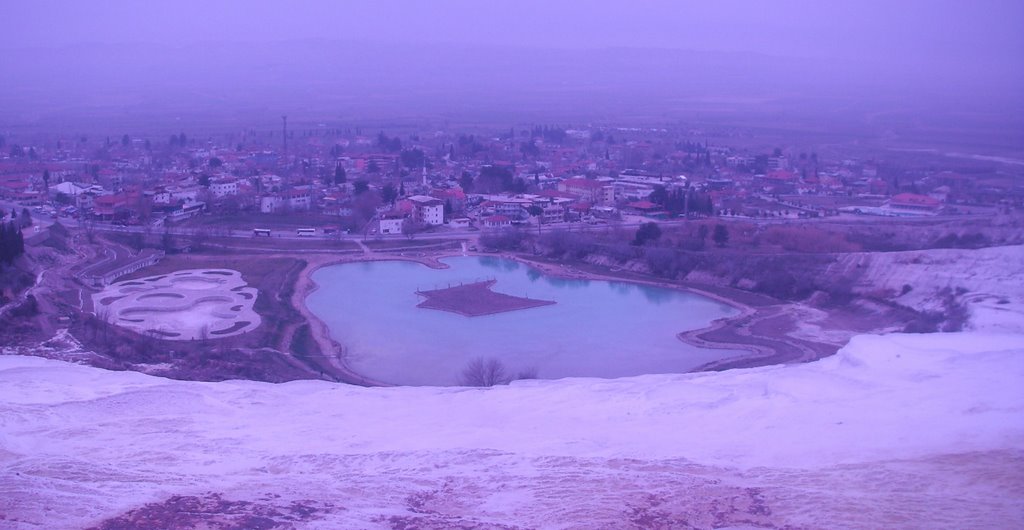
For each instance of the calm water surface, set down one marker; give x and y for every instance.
(596, 328)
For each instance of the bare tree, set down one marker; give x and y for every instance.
(200, 236)
(102, 324)
(204, 333)
(530, 372)
(484, 372)
(90, 231)
(410, 228)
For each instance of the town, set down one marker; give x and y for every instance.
(328, 182)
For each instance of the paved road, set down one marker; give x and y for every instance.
(630, 223)
(291, 235)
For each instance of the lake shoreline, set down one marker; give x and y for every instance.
(737, 332)
(734, 332)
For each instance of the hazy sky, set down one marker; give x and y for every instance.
(992, 30)
(613, 58)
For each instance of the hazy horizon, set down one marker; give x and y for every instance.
(122, 65)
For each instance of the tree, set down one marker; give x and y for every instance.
(167, 240)
(484, 373)
(647, 232)
(216, 162)
(389, 144)
(529, 148)
(373, 167)
(659, 196)
(360, 187)
(199, 238)
(388, 193)
(410, 228)
(136, 240)
(721, 235)
(46, 180)
(339, 175)
(466, 182)
(26, 218)
(412, 158)
(702, 233)
(204, 181)
(12, 242)
(125, 140)
(496, 179)
(89, 229)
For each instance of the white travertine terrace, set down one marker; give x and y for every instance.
(184, 305)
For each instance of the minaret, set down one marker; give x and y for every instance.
(284, 135)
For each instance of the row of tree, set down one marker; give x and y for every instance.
(23, 221)
(679, 202)
(649, 232)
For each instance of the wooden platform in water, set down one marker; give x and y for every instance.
(476, 299)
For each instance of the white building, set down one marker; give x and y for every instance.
(270, 203)
(298, 199)
(70, 189)
(391, 223)
(224, 187)
(427, 210)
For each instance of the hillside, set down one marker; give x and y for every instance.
(897, 430)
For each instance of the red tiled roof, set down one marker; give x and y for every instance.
(643, 205)
(781, 174)
(555, 194)
(913, 199)
(582, 183)
(448, 194)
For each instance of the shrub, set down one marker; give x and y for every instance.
(504, 239)
(484, 373)
(647, 232)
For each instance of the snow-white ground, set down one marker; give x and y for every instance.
(906, 431)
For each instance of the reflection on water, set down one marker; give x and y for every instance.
(596, 328)
(493, 262)
(656, 295)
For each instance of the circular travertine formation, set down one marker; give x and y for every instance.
(184, 305)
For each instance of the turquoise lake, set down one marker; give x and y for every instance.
(596, 328)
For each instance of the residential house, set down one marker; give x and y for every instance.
(497, 221)
(392, 223)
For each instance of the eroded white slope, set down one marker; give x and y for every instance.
(987, 280)
(79, 444)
